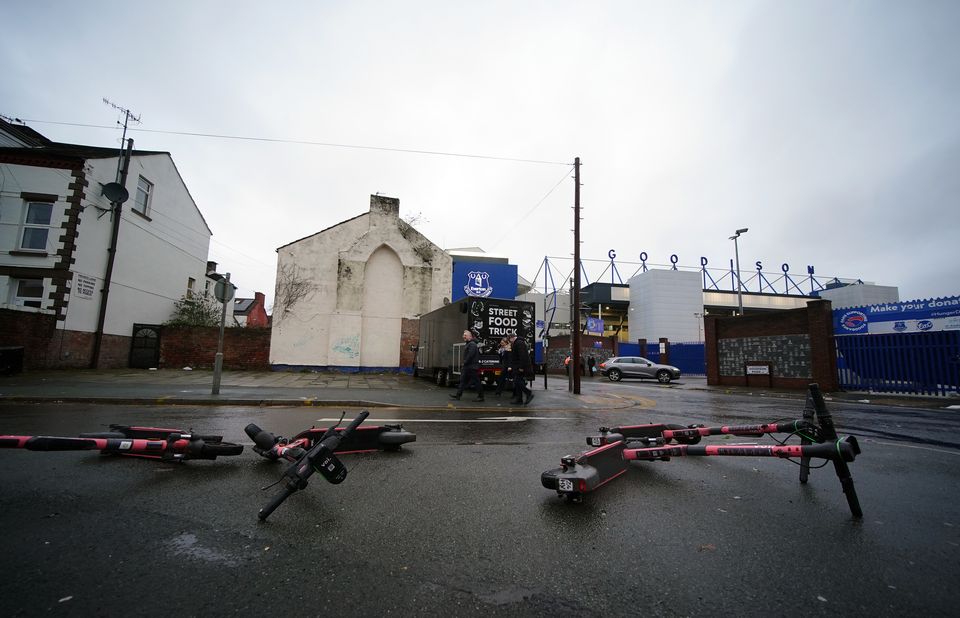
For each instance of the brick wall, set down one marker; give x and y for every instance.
(32, 331)
(409, 337)
(45, 347)
(779, 337)
(243, 348)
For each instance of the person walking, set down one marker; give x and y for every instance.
(504, 353)
(591, 364)
(470, 374)
(522, 368)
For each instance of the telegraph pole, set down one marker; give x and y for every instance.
(116, 203)
(575, 292)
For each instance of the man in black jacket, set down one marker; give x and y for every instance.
(470, 374)
(522, 367)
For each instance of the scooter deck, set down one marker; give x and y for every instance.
(647, 432)
(583, 473)
(145, 433)
(365, 438)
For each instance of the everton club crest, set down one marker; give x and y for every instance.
(478, 284)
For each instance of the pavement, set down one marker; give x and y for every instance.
(284, 388)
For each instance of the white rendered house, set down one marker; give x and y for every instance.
(56, 237)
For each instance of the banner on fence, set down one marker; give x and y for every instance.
(915, 316)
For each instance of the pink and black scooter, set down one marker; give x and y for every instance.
(586, 472)
(147, 442)
(316, 450)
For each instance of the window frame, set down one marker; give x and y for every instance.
(26, 224)
(21, 300)
(147, 192)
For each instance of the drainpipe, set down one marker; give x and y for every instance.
(111, 256)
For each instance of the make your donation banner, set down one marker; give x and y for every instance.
(915, 316)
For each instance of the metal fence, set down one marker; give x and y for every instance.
(909, 363)
(689, 358)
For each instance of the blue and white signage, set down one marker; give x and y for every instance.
(915, 316)
(479, 280)
(595, 325)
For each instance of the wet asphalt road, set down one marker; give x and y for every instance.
(458, 523)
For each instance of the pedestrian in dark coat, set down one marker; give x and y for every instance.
(470, 375)
(522, 368)
(504, 353)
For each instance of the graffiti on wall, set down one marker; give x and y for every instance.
(348, 346)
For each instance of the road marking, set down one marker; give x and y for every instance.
(491, 419)
(913, 446)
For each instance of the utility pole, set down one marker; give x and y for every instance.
(111, 257)
(575, 292)
(116, 203)
(127, 117)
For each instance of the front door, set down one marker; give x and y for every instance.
(145, 348)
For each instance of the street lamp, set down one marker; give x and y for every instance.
(736, 253)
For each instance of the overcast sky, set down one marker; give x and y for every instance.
(830, 129)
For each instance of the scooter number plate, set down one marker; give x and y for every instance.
(565, 485)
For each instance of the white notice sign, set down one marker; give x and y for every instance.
(83, 286)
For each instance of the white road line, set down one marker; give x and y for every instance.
(913, 446)
(492, 419)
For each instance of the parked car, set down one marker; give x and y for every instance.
(620, 367)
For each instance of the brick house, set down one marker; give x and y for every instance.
(250, 312)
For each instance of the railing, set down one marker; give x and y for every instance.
(910, 363)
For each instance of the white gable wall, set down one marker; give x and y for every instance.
(155, 256)
(354, 315)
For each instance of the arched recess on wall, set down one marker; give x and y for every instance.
(381, 309)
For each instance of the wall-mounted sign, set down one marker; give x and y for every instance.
(480, 280)
(83, 286)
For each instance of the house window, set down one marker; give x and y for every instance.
(191, 284)
(28, 293)
(144, 190)
(36, 226)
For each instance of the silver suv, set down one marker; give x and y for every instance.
(620, 367)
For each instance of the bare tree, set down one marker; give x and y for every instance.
(292, 287)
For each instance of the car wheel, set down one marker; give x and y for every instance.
(615, 375)
(663, 376)
(441, 377)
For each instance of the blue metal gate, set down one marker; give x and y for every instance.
(912, 363)
(689, 358)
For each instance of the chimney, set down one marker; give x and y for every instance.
(381, 204)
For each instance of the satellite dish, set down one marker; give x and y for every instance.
(115, 192)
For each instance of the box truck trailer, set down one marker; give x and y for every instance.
(440, 349)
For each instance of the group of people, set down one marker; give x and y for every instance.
(515, 365)
(591, 366)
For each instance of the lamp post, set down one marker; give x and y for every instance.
(736, 253)
(699, 317)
